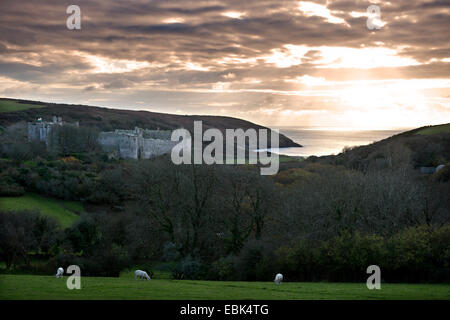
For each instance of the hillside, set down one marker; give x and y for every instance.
(427, 146)
(443, 128)
(13, 111)
(65, 212)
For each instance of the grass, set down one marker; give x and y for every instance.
(65, 212)
(159, 274)
(11, 106)
(48, 287)
(443, 128)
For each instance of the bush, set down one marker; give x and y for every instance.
(171, 251)
(223, 269)
(255, 262)
(11, 190)
(105, 262)
(440, 250)
(413, 255)
(188, 268)
(420, 254)
(301, 262)
(24, 232)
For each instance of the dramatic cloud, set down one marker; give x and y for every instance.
(276, 62)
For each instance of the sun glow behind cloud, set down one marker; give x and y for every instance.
(380, 103)
(233, 14)
(314, 9)
(106, 65)
(375, 20)
(272, 62)
(339, 57)
(174, 20)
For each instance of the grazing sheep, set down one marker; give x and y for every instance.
(141, 275)
(278, 278)
(59, 272)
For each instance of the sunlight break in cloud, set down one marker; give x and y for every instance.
(174, 20)
(314, 9)
(308, 80)
(375, 20)
(339, 57)
(195, 67)
(107, 65)
(364, 58)
(290, 55)
(233, 14)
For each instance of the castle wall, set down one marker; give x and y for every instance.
(44, 132)
(33, 132)
(129, 147)
(39, 131)
(157, 134)
(109, 141)
(156, 147)
(137, 143)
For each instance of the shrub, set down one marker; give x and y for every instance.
(171, 251)
(223, 269)
(11, 190)
(350, 254)
(255, 262)
(420, 253)
(188, 268)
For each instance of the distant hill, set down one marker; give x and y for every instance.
(427, 146)
(105, 119)
(429, 130)
(424, 146)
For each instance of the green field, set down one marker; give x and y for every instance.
(11, 106)
(443, 128)
(65, 212)
(48, 287)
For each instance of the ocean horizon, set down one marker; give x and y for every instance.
(321, 141)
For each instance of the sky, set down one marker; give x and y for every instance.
(273, 62)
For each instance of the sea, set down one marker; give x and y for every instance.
(320, 141)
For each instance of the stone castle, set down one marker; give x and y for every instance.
(41, 130)
(127, 144)
(137, 144)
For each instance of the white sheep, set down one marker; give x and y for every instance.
(278, 278)
(141, 275)
(59, 272)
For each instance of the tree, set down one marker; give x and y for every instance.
(22, 232)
